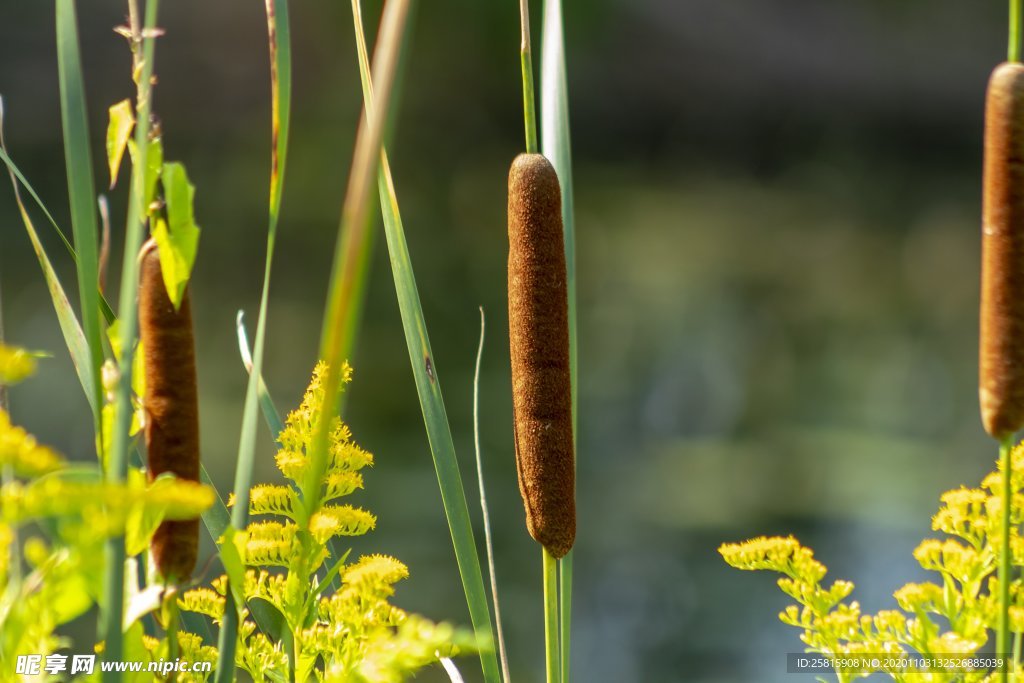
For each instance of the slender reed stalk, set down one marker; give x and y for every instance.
(502, 653)
(279, 40)
(1016, 16)
(551, 652)
(556, 146)
(343, 291)
(1005, 565)
(118, 465)
(526, 63)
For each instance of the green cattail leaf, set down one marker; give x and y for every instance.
(81, 188)
(122, 120)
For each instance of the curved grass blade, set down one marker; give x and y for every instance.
(279, 41)
(74, 338)
(428, 387)
(488, 544)
(270, 413)
(555, 144)
(16, 175)
(81, 189)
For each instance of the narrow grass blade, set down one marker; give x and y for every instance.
(110, 628)
(17, 175)
(428, 387)
(279, 41)
(488, 543)
(270, 413)
(81, 189)
(555, 144)
(74, 338)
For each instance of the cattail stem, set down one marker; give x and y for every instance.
(1003, 633)
(117, 468)
(551, 650)
(1016, 15)
(526, 64)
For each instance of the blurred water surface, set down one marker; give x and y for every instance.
(778, 208)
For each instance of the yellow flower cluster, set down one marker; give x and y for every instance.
(20, 451)
(346, 632)
(953, 616)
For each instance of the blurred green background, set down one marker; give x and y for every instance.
(778, 209)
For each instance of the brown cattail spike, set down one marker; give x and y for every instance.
(171, 406)
(539, 335)
(1001, 386)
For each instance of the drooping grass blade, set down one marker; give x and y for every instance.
(18, 177)
(74, 338)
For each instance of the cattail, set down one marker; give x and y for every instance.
(539, 335)
(1001, 386)
(170, 402)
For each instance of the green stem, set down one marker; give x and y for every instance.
(1015, 30)
(554, 670)
(118, 465)
(1003, 633)
(1016, 657)
(526, 63)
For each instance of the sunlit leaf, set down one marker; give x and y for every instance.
(178, 237)
(122, 120)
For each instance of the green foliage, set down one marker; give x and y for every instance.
(178, 235)
(350, 634)
(119, 130)
(952, 616)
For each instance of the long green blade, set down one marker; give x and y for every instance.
(428, 388)
(81, 190)
(279, 40)
(555, 144)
